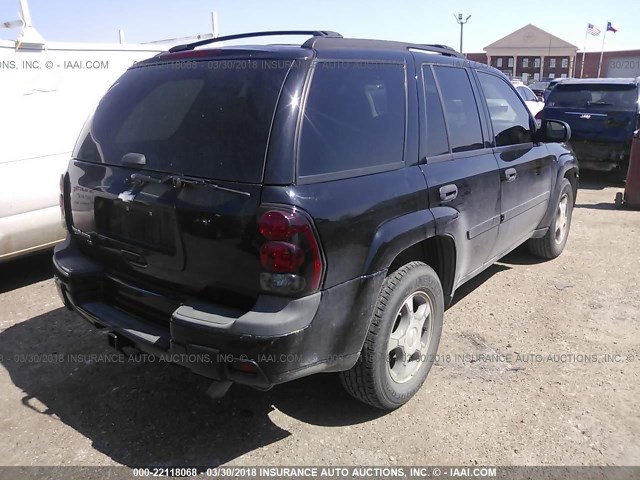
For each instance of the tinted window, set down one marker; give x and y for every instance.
(460, 108)
(437, 142)
(509, 116)
(526, 94)
(193, 119)
(354, 117)
(595, 96)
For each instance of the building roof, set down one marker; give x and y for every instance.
(530, 37)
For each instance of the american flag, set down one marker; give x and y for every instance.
(592, 30)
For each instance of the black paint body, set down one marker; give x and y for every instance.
(203, 255)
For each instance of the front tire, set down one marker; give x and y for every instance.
(553, 243)
(402, 340)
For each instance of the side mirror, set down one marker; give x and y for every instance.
(554, 131)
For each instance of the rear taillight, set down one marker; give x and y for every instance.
(290, 255)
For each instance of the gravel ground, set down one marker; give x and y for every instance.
(539, 365)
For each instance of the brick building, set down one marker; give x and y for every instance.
(531, 53)
(622, 63)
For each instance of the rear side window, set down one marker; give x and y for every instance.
(354, 118)
(437, 143)
(192, 118)
(509, 116)
(596, 96)
(460, 108)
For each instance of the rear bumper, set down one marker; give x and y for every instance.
(278, 340)
(598, 155)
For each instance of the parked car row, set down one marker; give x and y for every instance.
(603, 114)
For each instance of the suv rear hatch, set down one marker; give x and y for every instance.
(598, 112)
(166, 177)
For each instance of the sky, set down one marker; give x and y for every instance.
(421, 21)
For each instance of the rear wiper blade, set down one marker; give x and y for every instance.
(179, 181)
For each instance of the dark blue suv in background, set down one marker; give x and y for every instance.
(262, 213)
(603, 114)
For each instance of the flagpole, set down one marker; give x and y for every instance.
(586, 33)
(602, 51)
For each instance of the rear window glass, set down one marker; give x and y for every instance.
(193, 118)
(605, 97)
(354, 117)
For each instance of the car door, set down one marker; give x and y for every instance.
(459, 166)
(527, 170)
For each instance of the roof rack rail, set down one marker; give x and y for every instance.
(313, 33)
(437, 48)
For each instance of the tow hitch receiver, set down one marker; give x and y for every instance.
(119, 342)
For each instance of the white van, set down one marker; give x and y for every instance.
(48, 90)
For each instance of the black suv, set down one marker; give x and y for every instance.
(262, 213)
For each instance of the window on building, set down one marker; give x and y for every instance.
(525, 63)
(499, 63)
(511, 62)
(552, 63)
(564, 75)
(552, 75)
(565, 63)
(536, 63)
(536, 76)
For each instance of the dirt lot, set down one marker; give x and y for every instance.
(558, 384)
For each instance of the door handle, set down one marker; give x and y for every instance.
(448, 192)
(510, 174)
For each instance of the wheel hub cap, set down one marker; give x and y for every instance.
(410, 337)
(562, 218)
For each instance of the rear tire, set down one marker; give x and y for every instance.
(402, 340)
(553, 243)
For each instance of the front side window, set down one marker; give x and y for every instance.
(526, 94)
(460, 109)
(509, 116)
(354, 117)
